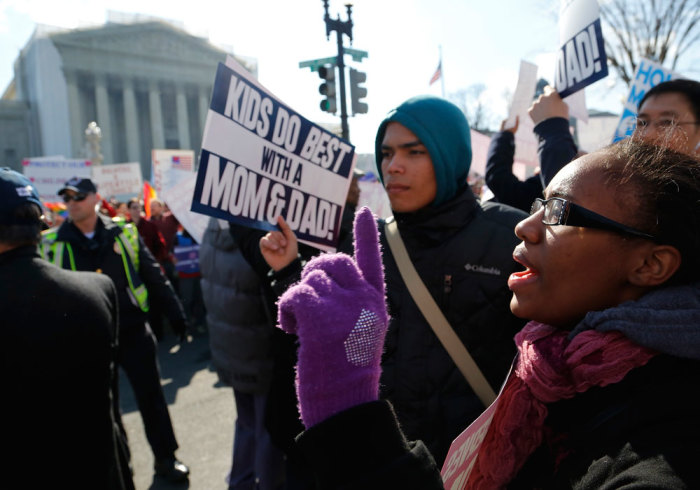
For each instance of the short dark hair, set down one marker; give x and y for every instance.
(690, 89)
(132, 201)
(25, 234)
(664, 196)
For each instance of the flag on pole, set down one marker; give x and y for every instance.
(437, 74)
(149, 193)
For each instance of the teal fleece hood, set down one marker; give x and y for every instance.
(443, 129)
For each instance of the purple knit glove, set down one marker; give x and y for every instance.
(338, 311)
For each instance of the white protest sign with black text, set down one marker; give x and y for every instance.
(581, 58)
(261, 159)
(48, 174)
(118, 179)
(647, 75)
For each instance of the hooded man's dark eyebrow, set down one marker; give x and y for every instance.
(409, 144)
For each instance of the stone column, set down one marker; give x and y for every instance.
(104, 117)
(131, 122)
(157, 132)
(74, 112)
(183, 122)
(203, 97)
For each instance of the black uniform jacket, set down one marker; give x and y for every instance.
(101, 254)
(59, 331)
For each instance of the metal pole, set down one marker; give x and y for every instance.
(341, 73)
(340, 28)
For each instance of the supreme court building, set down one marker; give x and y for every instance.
(146, 84)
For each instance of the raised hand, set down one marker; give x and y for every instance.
(548, 105)
(279, 248)
(338, 311)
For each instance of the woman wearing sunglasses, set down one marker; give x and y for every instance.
(604, 390)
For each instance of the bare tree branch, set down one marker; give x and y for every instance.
(661, 30)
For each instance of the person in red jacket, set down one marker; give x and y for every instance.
(149, 232)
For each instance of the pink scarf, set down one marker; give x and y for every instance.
(549, 368)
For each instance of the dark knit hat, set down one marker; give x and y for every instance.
(443, 129)
(15, 191)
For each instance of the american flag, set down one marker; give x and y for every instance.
(182, 162)
(437, 74)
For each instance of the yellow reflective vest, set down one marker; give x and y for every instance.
(61, 254)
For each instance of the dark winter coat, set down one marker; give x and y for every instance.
(463, 253)
(240, 328)
(99, 254)
(641, 432)
(57, 357)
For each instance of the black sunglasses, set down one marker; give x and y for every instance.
(80, 196)
(558, 211)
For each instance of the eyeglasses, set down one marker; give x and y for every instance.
(663, 124)
(558, 211)
(75, 197)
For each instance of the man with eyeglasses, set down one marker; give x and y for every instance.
(89, 241)
(669, 115)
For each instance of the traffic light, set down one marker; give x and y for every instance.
(358, 92)
(327, 88)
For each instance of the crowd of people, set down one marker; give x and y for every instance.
(570, 300)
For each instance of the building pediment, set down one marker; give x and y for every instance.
(146, 48)
(153, 39)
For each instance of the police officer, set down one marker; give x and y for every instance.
(58, 353)
(92, 242)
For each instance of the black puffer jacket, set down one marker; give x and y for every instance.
(463, 253)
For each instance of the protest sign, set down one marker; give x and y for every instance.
(464, 450)
(647, 75)
(260, 159)
(48, 174)
(524, 93)
(179, 199)
(118, 179)
(581, 59)
(186, 258)
(169, 166)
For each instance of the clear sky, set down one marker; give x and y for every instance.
(482, 42)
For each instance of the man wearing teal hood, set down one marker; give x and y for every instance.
(461, 249)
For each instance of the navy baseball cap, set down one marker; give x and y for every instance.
(78, 184)
(15, 190)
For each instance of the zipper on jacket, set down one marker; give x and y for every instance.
(447, 284)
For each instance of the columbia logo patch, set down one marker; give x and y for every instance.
(482, 269)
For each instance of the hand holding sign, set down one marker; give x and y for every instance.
(548, 105)
(338, 311)
(279, 248)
